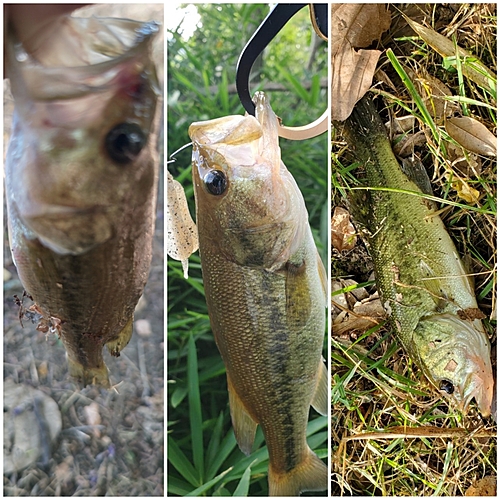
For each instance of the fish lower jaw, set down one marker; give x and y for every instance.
(72, 232)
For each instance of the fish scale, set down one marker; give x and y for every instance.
(423, 284)
(265, 291)
(81, 180)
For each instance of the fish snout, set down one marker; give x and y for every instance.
(478, 385)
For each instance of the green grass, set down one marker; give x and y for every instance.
(203, 457)
(392, 434)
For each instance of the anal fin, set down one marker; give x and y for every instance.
(243, 424)
(320, 398)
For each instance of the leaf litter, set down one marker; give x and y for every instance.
(392, 433)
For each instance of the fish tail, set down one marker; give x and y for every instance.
(86, 375)
(310, 475)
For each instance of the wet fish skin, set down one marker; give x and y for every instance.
(265, 290)
(422, 280)
(81, 215)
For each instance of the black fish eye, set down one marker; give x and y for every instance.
(124, 142)
(215, 182)
(446, 386)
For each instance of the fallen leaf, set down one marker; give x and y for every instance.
(352, 76)
(469, 165)
(358, 24)
(343, 232)
(466, 192)
(472, 135)
(354, 26)
(433, 92)
(484, 487)
(473, 68)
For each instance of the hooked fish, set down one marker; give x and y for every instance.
(81, 180)
(423, 283)
(265, 288)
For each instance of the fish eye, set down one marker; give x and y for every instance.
(124, 142)
(215, 182)
(446, 386)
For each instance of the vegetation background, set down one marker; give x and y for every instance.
(202, 452)
(392, 434)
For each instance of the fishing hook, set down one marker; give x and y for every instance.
(264, 34)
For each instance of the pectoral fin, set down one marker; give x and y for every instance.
(320, 398)
(243, 424)
(115, 346)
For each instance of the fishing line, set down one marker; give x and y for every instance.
(172, 159)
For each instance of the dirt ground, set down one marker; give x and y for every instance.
(111, 441)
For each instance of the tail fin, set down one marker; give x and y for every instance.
(310, 475)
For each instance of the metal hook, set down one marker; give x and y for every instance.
(264, 34)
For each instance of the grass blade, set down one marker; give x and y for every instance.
(244, 484)
(205, 487)
(195, 417)
(181, 463)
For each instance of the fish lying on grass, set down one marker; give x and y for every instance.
(423, 283)
(265, 287)
(81, 182)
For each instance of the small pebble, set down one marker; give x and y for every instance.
(143, 327)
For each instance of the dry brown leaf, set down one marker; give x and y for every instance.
(352, 76)
(484, 487)
(433, 91)
(476, 71)
(354, 26)
(472, 135)
(358, 24)
(470, 165)
(343, 232)
(182, 236)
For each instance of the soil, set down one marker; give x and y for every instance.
(111, 442)
(120, 451)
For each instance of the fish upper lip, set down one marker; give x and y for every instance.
(479, 389)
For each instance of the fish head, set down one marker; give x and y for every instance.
(248, 204)
(455, 355)
(82, 149)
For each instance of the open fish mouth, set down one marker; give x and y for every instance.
(479, 386)
(101, 46)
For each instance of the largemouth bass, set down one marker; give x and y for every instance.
(423, 283)
(265, 288)
(81, 181)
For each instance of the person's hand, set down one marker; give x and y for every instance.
(33, 24)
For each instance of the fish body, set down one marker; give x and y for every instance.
(265, 290)
(81, 181)
(423, 283)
